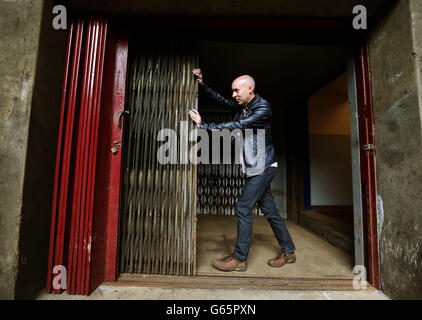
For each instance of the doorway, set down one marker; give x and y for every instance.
(286, 75)
(328, 194)
(108, 238)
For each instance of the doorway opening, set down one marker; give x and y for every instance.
(177, 241)
(288, 76)
(328, 194)
(166, 227)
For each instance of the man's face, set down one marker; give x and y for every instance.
(241, 92)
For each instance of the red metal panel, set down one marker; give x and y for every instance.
(102, 43)
(79, 44)
(80, 144)
(58, 159)
(366, 136)
(103, 169)
(75, 234)
(90, 137)
(91, 163)
(85, 146)
(67, 152)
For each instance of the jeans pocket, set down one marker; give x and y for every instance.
(272, 172)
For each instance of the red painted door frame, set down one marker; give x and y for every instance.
(111, 133)
(367, 161)
(115, 161)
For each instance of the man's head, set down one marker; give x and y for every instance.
(243, 88)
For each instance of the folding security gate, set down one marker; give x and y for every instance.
(158, 208)
(73, 198)
(84, 209)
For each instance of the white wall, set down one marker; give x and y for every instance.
(330, 170)
(329, 145)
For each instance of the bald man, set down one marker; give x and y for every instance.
(251, 111)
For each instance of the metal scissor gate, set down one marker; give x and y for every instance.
(158, 208)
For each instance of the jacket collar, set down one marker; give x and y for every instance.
(252, 103)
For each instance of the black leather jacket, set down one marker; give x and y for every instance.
(258, 117)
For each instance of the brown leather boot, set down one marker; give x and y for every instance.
(281, 259)
(230, 263)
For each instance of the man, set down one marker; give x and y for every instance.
(251, 112)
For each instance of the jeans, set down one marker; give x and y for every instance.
(258, 189)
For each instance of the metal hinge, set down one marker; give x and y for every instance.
(368, 147)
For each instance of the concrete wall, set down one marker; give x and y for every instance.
(395, 61)
(31, 76)
(41, 157)
(19, 38)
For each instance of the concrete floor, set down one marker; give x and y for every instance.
(216, 236)
(150, 293)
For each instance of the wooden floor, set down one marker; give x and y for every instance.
(236, 282)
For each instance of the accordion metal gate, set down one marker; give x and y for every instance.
(73, 198)
(158, 207)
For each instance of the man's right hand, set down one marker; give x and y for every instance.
(198, 74)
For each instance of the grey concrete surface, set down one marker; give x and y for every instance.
(19, 38)
(395, 62)
(31, 78)
(41, 149)
(149, 293)
(216, 236)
